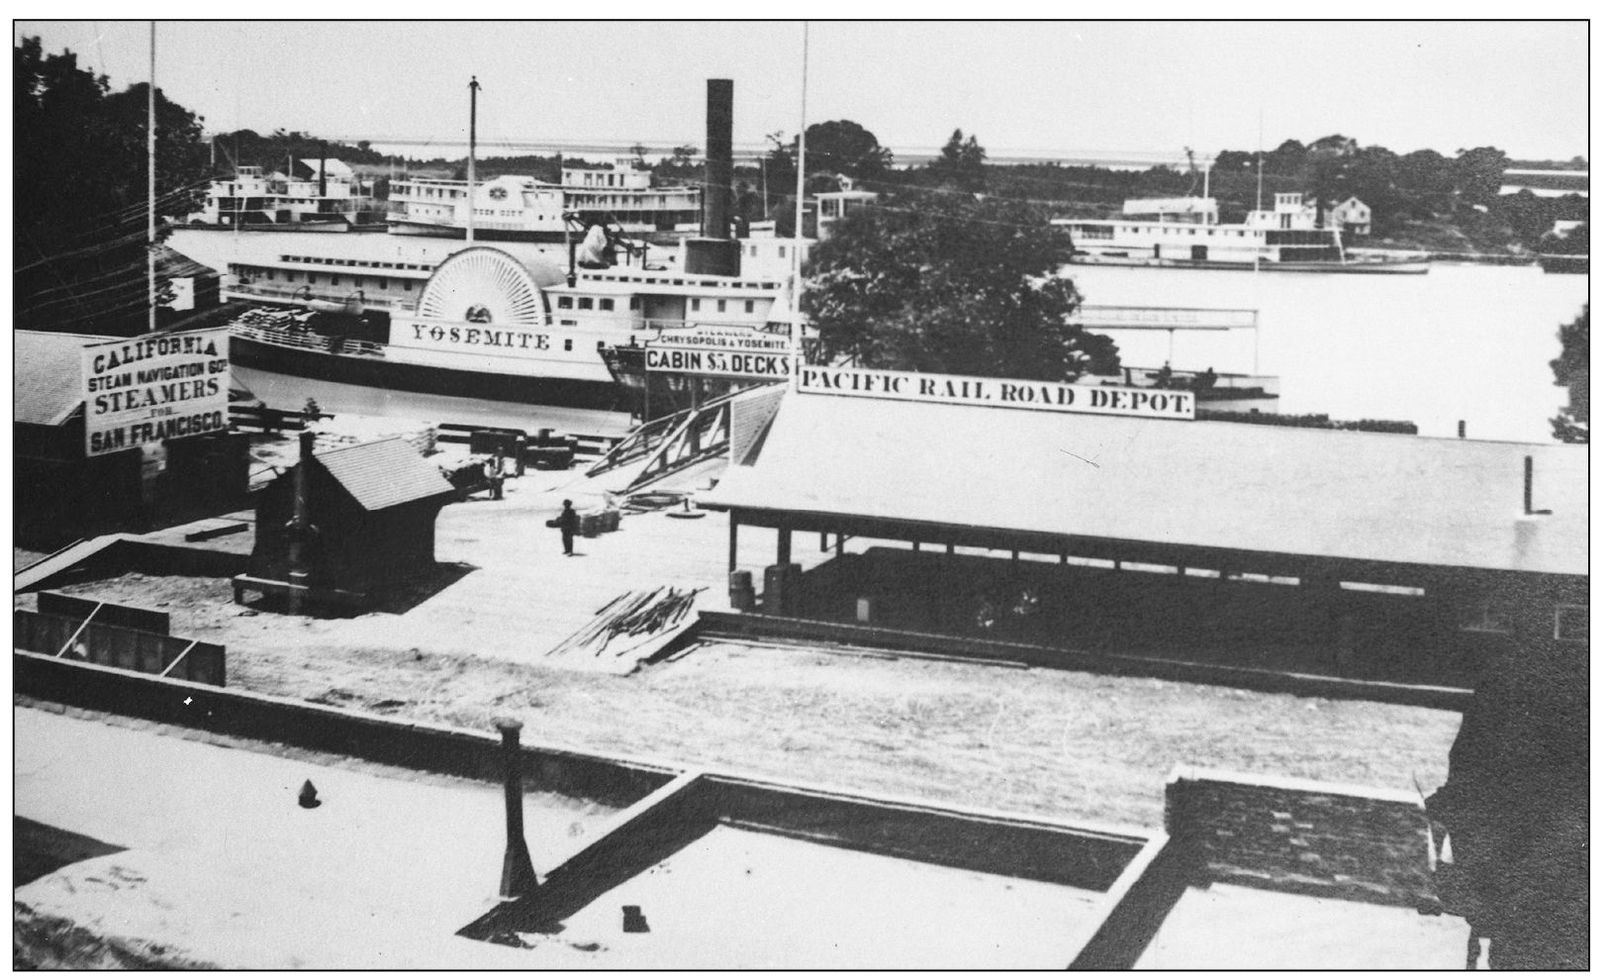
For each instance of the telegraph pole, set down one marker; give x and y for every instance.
(474, 86)
(796, 323)
(150, 188)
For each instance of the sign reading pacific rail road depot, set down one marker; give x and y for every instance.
(1034, 395)
(723, 351)
(152, 389)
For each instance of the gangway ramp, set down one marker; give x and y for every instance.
(724, 428)
(42, 572)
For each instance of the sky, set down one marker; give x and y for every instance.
(1068, 89)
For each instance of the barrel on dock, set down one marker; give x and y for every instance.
(740, 587)
(782, 589)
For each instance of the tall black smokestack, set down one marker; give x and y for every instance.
(718, 158)
(716, 253)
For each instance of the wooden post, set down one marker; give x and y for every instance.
(731, 543)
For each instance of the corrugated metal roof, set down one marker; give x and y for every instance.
(382, 474)
(1352, 495)
(48, 382)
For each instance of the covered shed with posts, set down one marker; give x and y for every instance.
(346, 524)
(1349, 553)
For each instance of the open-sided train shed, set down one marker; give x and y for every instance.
(1493, 535)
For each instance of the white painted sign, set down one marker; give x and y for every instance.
(152, 389)
(1036, 395)
(720, 363)
(723, 351)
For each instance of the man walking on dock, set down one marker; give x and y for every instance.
(568, 523)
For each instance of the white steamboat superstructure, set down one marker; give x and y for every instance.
(520, 208)
(316, 192)
(1184, 233)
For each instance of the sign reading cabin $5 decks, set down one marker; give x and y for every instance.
(153, 389)
(720, 351)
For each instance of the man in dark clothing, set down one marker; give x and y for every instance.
(568, 523)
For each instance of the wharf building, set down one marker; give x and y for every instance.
(1354, 554)
(113, 433)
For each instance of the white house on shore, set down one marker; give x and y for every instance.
(1351, 215)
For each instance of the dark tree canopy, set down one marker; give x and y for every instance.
(1571, 371)
(79, 225)
(947, 284)
(960, 163)
(1479, 173)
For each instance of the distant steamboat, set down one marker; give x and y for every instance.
(1185, 233)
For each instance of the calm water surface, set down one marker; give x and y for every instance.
(1467, 342)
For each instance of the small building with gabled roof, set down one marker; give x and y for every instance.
(369, 520)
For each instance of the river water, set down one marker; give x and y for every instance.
(1464, 342)
(1468, 342)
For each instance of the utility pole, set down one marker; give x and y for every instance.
(796, 322)
(150, 187)
(469, 234)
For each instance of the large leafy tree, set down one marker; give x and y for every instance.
(1570, 370)
(840, 147)
(79, 224)
(1478, 173)
(949, 284)
(960, 163)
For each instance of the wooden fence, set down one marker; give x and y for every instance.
(121, 648)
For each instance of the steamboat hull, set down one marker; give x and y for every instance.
(378, 372)
(425, 230)
(1325, 267)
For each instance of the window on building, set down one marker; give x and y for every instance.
(782, 252)
(636, 303)
(1488, 616)
(584, 302)
(606, 305)
(407, 285)
(566, 302)
(695, 305)
(1570, 622)
(720, 305)
(335, 280)
(748, 305)
(568, 343)
(270, 275)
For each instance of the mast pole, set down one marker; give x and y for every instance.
(796, 322)
(150, 188)
(469, 233)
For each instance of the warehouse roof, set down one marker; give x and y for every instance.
(1317, 493)
(48, 382)
(382, 474)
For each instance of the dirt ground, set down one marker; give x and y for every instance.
(1094, 749)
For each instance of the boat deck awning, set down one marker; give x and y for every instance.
(1165, 485)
